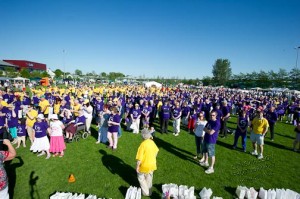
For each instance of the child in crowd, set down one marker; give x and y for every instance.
(152, 131)
(41, 142)
(21, 132)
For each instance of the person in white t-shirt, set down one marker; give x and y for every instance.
(199, 134)
(88, 114)
(57, 143)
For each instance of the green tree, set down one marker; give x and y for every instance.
(221, 71)
(25, 73)
(103, 74)
(58, 73)
(78, 72)
(113, 75)
(206, 81)
(10, 72)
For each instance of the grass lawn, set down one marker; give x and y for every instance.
(106, 173)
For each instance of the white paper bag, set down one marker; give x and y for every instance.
(251, 193)
(241, 192)
(263, 194)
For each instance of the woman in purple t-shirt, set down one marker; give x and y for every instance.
(113, 128)
(41, 141)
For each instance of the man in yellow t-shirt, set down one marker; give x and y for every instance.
(259, 128)
(146, 162)
(31, 116)
(44, 105)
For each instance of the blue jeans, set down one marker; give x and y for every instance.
(199, 144)
(244, 138)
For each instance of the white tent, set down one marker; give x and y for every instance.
(153, 83)
(20, 79)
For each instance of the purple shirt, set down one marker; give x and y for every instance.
(40, 129)
(135, 113)
(11, 121)
(80, 119)
(212, 125)
(176, 112)
(165, 109)
(21, 130)
(114, 118)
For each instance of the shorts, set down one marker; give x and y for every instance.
(209, 148)
(258, 138)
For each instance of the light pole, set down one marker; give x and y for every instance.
(64, 64)
(297, 49)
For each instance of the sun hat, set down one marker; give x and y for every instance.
(54, 117)
(40, 116)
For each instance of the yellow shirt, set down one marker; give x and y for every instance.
(76, 109)
(56, 108)
(259, 125)
(147, 153)
(4, 103)
(44, 104)
(32, 113)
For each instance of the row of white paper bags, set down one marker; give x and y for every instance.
(133, 193)
(62, 195)
(178, 192)
(206, 194)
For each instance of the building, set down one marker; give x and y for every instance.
(27, 64)
(4, 64)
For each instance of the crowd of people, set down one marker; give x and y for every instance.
(50, 117)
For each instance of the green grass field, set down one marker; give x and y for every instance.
(106, 173)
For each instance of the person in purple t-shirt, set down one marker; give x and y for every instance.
(224, 118)
(41, 142)
(165, 115)
(135, 118)
(211, 129)
(176, 116)
(113, 128)
(21, 132)
(11, 122)
(72, 126)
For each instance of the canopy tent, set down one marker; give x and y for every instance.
(153, 83)
(20, 79)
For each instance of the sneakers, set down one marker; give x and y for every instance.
(254, 153)
(204, 164)
(48, 156)
(97, 142)
(209, 170)
(176, 134)
(40, 154)
(260, 156)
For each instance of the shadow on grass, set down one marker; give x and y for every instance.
(117, 166)
(11, 174)
(286, 136)
(221, 142)
(279, 146)
(180, 153)
(231, 190)
(33, 186)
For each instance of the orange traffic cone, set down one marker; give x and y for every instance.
(71, 178)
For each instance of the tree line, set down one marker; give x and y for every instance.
(221, 76)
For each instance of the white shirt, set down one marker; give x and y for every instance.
(199, 126)
(56, 129)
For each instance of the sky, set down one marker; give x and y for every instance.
(152, 38)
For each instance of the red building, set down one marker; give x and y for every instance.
(27, 64)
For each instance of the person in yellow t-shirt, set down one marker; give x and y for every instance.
(146, 162)
(76, 108)
(2, 102)
(44, 105)
(259, 128)
(31, 116)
